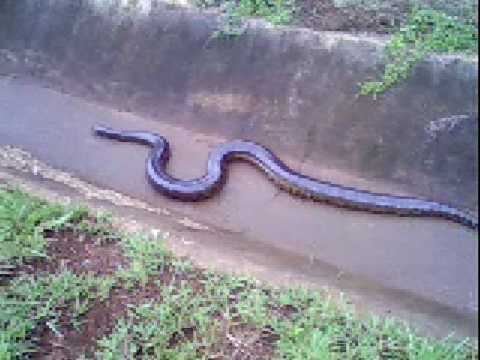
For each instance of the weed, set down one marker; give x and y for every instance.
(427, 31)
(98, 226)
(147, 257)
(23, 221)
(29, 302)
(171, 329)
(276, 12)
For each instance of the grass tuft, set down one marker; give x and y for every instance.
(23, 221)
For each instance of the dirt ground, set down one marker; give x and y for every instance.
(375, 16)
(85, 256)
(325, 15)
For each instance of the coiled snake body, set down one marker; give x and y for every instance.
(279, 173)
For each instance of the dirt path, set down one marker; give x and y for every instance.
(422, 270)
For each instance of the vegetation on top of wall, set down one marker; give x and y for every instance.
(427, 31)
(276, 12)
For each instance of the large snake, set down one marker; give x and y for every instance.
(284, 177)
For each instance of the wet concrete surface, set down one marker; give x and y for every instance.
(292, 89)
(425, 270)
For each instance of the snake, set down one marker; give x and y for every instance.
(279, 173)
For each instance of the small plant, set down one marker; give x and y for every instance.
(98, 226)
(31, 301)
(147, 257)
(276, 12)
(23, 221)
(427, 31)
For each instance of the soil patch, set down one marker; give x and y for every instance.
(325, 15)
(97, 323)
(371, 16)
(381, 17)
(83, 254)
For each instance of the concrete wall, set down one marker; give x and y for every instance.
(292, 89)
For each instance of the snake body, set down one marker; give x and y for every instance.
(284, 177)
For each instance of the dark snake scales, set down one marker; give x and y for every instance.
(284, 177)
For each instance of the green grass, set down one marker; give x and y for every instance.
(23, 219)
(276, 12)
(147, 257)
(427, 31)
(31, 301)
(189, 313)
(317, 328)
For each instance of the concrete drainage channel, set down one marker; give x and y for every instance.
(293, 90)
